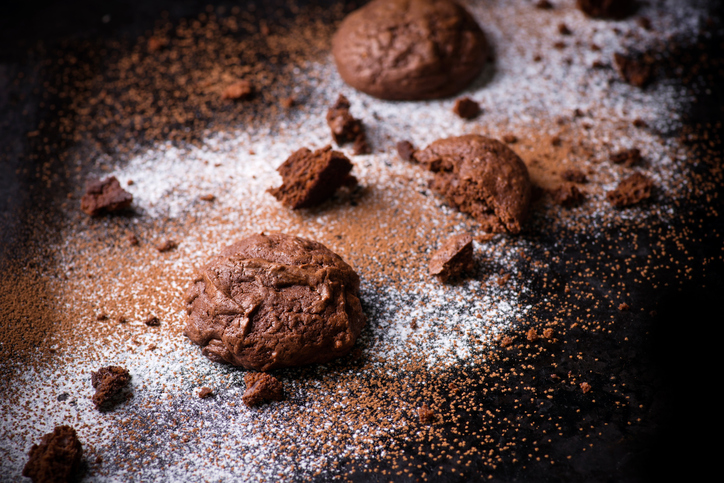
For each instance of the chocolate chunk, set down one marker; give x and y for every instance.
(453, 258)
(627, 157)
(104, 197)
(615, 9)
(310, 178)
(409, 49)
(574, 175)
(466, 108)
(272, 301)
(426, 415)
(238, 90)
(482, 177)
(567, 195)
(56, 459)
(110, 384)
(345, 128)
(205, 392)
(631, 190)
(261, 387)
(633, 71)
(405, 150)
(166, 246)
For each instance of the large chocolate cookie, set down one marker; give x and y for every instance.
(482, 177)
(409, 49)
(271, 301)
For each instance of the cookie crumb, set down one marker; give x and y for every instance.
(563, 29)
(585, 387)
(633, 71)
(344, 127)
(205, 392)
(261, 387)
(152, 321)
(568, 195)
(574, 176)
(310, 178)
(531, 335)
(105, 196)
(426, 415)
(453, 258)
(548, 333)
(110, 384)
(623, 307)
(466, 108)
(56, 458)
(238, 90)
(166, 246)
(405, 150)
(208, 197)
(544, 5)
(132, 239)
(630, 191)
(506, 341)
(638, 122)
(288, 102)
(413, 324)
(627, 157)
(510, 139)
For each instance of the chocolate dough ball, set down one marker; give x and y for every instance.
(409, 49)
(482, 177)
(271, 301)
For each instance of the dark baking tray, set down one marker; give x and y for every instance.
(666, 351)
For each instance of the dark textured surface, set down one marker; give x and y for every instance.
(664, 351)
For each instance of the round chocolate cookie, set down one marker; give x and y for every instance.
(482, 177)
(409, 49)
(271, 301)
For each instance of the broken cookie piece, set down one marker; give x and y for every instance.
(482, 177)
(57, 458)
(110, 384)
(260, 388)
(453, 258)
(310, 178)
(631, 191)
(466, 108)
(633, 71)
(345, 128)
(104, 197)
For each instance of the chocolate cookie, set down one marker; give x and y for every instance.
(57, 458)
(409, 49)
(482, 177)
(271, 301)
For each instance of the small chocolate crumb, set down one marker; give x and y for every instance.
(345, 128)
(510, 138)
(261, 387)
(563, 29)
(631, 191)
(623, 307)
(101, 317)
(633, 71)
(63, 396)
(627, 157)
(405, 150)
(466, 108)
(205, 392)
(568, 195)
(155, 44)
(544, 5)
(503, 280)
(548, 333)
(238, 90)
(506, 341)
(556, 141)
(151, 347)
(104, 197)
(166, 245)
(132, 239)
(287, 102)
(453, 258)
(574, 176)
(560, 45)
(57, 458)
(585, 387)
(606, 8)
(531, 335)
(207, 197)
(638, 122)
(426, 415)
(110, 384)
(413, 324)
(310, 178)
(152, 321)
